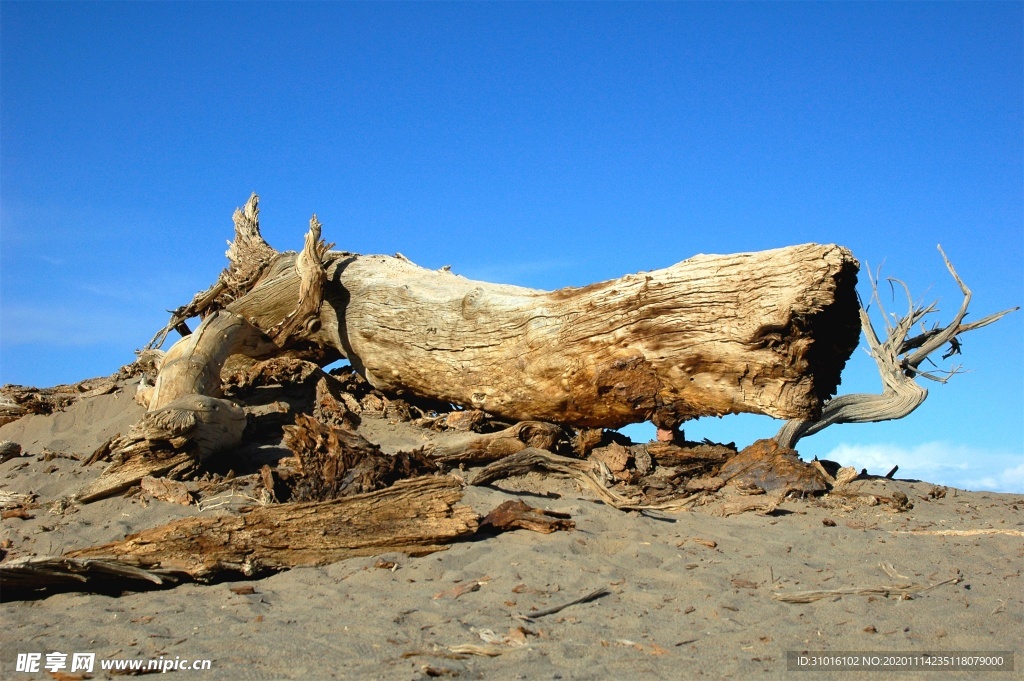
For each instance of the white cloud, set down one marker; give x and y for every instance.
(943, 463)
(1009, 480)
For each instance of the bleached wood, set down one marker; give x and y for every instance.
(765, 332)
(416, 516)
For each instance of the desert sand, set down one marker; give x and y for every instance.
(690, 594)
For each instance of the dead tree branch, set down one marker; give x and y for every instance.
(899, 358)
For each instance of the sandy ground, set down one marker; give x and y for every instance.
(691, 594)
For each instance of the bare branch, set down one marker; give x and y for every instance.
(898, 359)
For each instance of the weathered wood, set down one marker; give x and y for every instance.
(169, 441)
(9, 450)
(586, 472)
(310, 267)
(511, 515)
(122, 475)
(899, 358)
(764, 332)
(193, 365)
(28, 577)
(487, 447)
(761, 332)
(773, 468)
(416, 516)
(338, 462)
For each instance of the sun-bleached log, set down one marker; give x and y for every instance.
(766, 332)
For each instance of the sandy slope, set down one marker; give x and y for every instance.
(691, 594)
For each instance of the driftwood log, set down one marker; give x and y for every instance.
(765, 332)
(416, 516)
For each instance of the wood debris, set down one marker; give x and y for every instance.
(163, 489)
(512, 515)
(416, 516)
(774, 468)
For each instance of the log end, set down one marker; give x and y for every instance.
(831, 329)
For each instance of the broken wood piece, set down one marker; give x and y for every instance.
(331, 407)
(416, 517)
(163, 489)
(616, 457)
(772, 468)
(472, 649)
(760, 504)
(338, 462)
(587, 473)
(712, 484)
(18, 400)
(689, 454)
(512, 515)
(462, 589)
(466, 420)
(846, 475)
(9, 450)
(490, 447)
(24, 577)
(899, 590)
(120, 476)
(16, 499)
(309, 265)
(963, 533)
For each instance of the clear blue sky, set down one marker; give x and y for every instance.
(537, 144)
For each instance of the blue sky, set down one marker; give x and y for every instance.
(538, 144)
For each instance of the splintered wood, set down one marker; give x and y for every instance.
(337, 462)
(765, 332)
(417, 517)
(511, 515)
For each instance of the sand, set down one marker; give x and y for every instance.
(691, 595)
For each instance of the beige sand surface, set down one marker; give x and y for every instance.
(691, 594)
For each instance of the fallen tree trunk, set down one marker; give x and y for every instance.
(416, 516)
(764, 332)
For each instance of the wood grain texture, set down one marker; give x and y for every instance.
(765, 332)
(415, 516)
